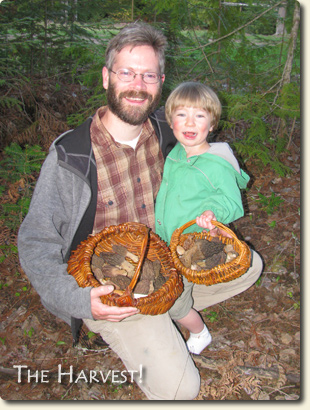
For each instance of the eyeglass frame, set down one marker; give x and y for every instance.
(159, 76)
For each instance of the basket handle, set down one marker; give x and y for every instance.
(215, 223)
(126, 298)
(138, 268)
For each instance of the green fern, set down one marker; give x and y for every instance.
(20, 162)
(10, 102)
(288, 103)
(262, 154)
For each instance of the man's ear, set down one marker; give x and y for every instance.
(105, 78)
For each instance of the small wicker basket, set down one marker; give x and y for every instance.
(220, 273)
(138, 239)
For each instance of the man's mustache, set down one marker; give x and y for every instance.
(136, 94)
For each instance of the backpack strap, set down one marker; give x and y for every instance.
(163, 131)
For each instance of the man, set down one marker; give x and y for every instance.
(107, 172)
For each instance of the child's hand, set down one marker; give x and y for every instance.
(204, 220)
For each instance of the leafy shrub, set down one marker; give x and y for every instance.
(16, 174)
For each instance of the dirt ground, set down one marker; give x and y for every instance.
(255, 352)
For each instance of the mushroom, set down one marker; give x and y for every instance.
(112, 271)
(159, 281)
(123, 251)
(180, 250)
(120, 282)
(200, 250)
(188, 242)
(157, 268)
(214, 260)
(118, 261)
(143, 287)
(97, 261)
(147, 270)
(231, 256)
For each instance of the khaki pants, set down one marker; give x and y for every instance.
(154, 342)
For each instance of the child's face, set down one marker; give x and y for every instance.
(191, 127)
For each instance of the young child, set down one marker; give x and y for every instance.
(201, 181)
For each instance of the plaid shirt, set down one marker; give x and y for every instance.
(128, 179)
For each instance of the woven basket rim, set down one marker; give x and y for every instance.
(220, 273)
(158, 301)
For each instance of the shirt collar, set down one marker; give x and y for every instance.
(101, 131)
(183, 158)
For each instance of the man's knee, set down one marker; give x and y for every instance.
(186, 387)
(190, 387)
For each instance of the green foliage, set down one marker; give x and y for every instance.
(18, 165)
(7, 250)
(262, 153)
(213, 316)
(90, 334)
(273, 224)
(29, 333)
(288, 103)
(266, 25)
(10, 102)
(270, 204)
(296, 305)
(20, 162)
(224, 46)
(39, 36)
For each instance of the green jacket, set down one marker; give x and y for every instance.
(190, 186)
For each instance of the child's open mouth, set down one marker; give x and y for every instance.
(190, 135)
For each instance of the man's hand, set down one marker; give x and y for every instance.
(100, 311)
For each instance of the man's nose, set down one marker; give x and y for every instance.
(138, 82)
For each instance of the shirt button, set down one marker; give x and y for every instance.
(138, 179)
(110, 202)
(143, 206)
(158, 221)
(188, 160)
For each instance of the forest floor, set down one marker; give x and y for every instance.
(255, 352)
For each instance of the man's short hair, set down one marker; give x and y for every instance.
(137, 34)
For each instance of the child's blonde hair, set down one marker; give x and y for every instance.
(193, 94)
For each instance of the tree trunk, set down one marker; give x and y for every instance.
(219, 32)
(280, 29)
(45, 39)
(286, 76)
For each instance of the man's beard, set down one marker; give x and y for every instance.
(131, 115)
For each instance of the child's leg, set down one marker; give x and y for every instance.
(200, 336)
(192, 321)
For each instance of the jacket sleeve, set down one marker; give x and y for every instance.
(226, 199)
(45, 236)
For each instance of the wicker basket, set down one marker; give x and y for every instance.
(138, 239)
(220, 273)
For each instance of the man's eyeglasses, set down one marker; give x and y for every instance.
(127, 76)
